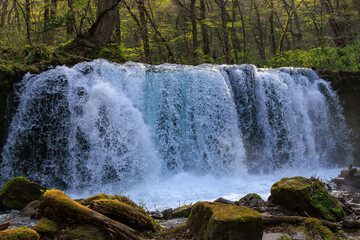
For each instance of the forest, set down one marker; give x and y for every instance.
(268, 33)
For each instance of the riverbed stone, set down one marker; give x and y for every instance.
(308, 197)
(18, 192)
(218, 221)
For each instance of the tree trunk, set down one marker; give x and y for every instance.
(224, 30)
(193, 31)
(144, 30)
(70, 25)
(204, 29)
(118, 26)
(103, 27)
(46, 14)
(261, 32)
(337, 23)
(356, 5)
(298, 34)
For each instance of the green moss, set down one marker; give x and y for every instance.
(46, 226)
(154, 235)
(315, 225)
(183, 211)
(18, 192)
(85, 232)
(104, 196)
(221, 221)
(306, 196)
(61, 201)
(125, 213)
(19, 234)
(11, 181)
(179, 228)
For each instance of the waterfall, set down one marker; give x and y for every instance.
(101, 123)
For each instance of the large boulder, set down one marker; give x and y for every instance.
(19, 234)
(67, 213)
(212, 220)
(18, 192)
(308, 197)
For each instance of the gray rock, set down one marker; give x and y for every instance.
(223, 200)
(275, 236)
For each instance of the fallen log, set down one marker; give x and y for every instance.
(56, 204)
(4, 226)
(269, 219)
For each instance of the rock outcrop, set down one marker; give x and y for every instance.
(308, 197)
(218, 221)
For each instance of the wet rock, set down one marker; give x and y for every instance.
(224, 201)
(252, 200)
(217, 221)
(299, 236)
(166, 214)
(182, 212)
(156, 214)
(19, 233)
(276, 236)
(171, 223)
(18, 192)
(26, 212)
(350, 223)
(308, 197)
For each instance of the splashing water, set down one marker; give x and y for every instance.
(132, 128)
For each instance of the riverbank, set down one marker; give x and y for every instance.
(277, 219)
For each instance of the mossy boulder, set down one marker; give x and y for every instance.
(18, 192)
(124, 213)
(182, 212)
(307, 197)
(19, 234)
(85, 232)
(211, 220)
(46, 227)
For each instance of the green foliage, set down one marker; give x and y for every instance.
(333, 58)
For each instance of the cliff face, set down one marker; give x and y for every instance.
(347, 85)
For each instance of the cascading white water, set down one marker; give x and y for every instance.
(103, 124)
